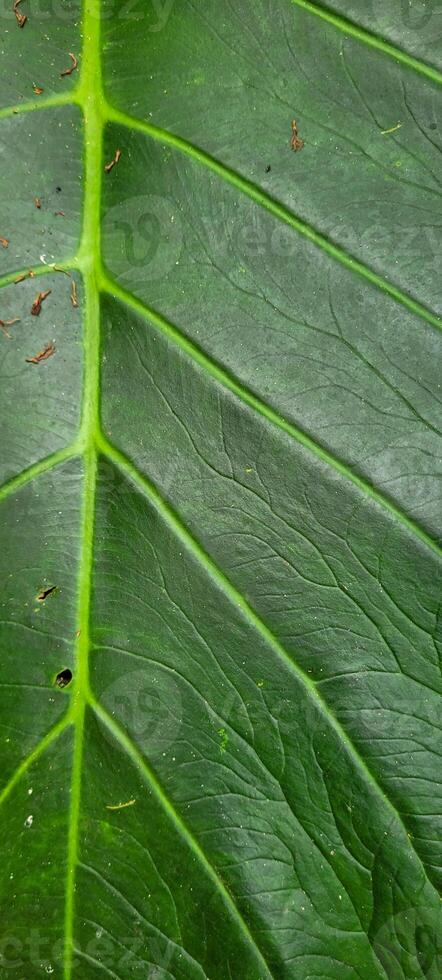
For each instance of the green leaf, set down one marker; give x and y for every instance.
(220, 671)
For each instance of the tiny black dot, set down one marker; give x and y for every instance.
(64, 677)
(58, 189)
(268, 168)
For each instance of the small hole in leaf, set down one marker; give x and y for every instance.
(64, 677)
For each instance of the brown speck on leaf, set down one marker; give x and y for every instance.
(25, 275)
(44, 593)
(74, 65)
(296, 142)
(37, 89)
(59, 214)
(74, 297)
(37, 202)
(20, 18)
(4, 242)
(43, 355)
(36, 306)
(8, 323)
(109, 166)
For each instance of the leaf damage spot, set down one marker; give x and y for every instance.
(74, 297)
(43, 355)
(296, 142)
(37, 89)
(44, 593)
(110, 166)
(37, 202)
(36, 306)
(4, 242)
(20, 18)
(73, 292)
(64, 677)
(8, 323)
(24, 275)
(120, 806)
(74, 65)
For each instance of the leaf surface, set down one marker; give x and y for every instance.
(221, 509)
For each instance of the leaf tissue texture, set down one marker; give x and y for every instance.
(220, 670)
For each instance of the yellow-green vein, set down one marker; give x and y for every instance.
(142, 765)
(38, 270)
(32, 472)
(223, 583)
(368, 37)
(264, 200)
(51, 102)
(36, 752)
(239, 389)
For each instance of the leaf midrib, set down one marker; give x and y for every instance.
(91, 99)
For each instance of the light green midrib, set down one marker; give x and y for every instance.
(373, 40)
(90, 99)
